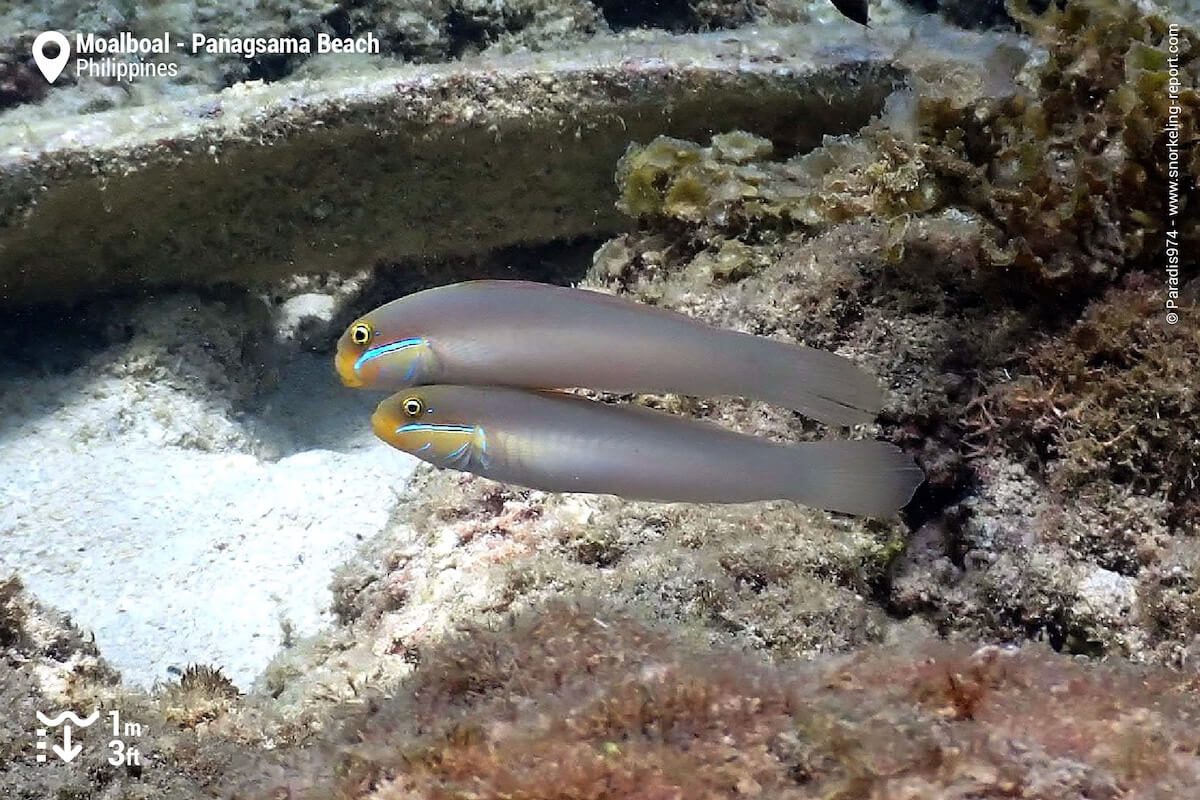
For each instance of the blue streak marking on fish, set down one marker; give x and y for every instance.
(429, 426)
(485, 461)
(384, 349)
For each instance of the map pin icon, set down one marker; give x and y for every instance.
(51, 67)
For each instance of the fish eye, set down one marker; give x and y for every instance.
(413, 406)
(360, 333)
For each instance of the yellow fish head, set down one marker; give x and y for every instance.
(369, 357)
(408, 422)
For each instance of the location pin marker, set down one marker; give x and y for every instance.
(51, 67)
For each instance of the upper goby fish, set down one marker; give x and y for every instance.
(532, 335)
(563, 443)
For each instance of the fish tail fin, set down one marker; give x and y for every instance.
(822, 385)
(867, 478)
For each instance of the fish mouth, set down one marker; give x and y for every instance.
(383, 425)
(344, 363)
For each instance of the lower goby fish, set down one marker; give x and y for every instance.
(563, 443)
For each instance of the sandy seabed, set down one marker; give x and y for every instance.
(178, 525)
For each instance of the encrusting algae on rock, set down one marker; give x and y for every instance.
(732, 183)
(1075, 173)
(950, 247)
(1070, 173)
(1109, 401)
(577, 702)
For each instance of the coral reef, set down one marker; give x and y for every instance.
(1089, 539)
(1077, 179)
(1105, 403)
(582, 702)
(947, 218)
(1070, 172)
(595, 702)
(732, 184)
(772, 577)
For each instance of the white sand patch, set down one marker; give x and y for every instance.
(148, 513)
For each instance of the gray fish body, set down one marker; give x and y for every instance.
(563, 443)
(513, 333)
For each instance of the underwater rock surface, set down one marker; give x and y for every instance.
(264, 181)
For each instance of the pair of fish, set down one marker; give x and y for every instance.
(474, 361)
